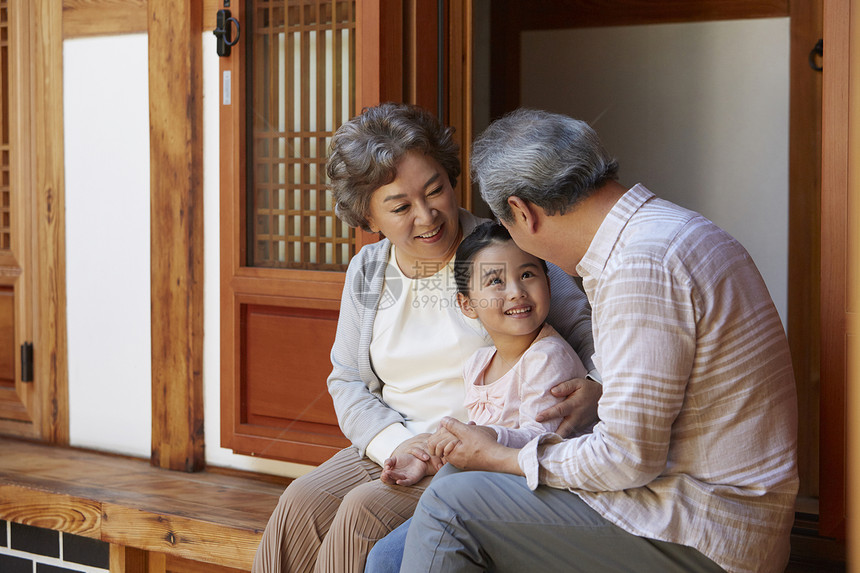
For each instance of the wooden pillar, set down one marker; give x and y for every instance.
(176, 165)
(804, 237)
(50, 356)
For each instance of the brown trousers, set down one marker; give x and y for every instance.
(328, 520)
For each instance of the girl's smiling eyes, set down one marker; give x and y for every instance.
(497, 279)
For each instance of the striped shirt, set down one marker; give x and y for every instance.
(697, 437)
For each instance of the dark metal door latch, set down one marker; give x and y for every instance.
(224, 32)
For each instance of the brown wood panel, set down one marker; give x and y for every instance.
(176, 167)
(212, 516)
(283, 396)
(834, 240)
(7, 337)
(804, 236)
(51, 359)
(286, 354)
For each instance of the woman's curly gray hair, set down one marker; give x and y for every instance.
(366, 150)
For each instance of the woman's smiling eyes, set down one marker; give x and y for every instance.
(402, 208)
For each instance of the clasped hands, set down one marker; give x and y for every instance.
(472, 447)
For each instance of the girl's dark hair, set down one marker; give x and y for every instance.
(479, 239)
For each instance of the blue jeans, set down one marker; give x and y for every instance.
(387, 554)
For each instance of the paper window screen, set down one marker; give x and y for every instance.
(301, 81)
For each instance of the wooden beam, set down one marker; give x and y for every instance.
(86, 18)
(176, 167)
(560, 14)
(50, 357)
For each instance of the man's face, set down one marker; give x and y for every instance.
(535, 244)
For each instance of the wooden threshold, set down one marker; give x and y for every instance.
(214, 516)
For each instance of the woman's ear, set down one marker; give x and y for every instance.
(371, 225)
(466, 305)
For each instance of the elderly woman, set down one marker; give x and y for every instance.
(401, 341)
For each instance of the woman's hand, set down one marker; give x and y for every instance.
(579, 408)
(404, 469)
(471, 447)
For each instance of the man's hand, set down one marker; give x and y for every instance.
(579, 408)
(471, 447)
(404, 469)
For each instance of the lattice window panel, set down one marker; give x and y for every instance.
(301, 79)
(5, 185)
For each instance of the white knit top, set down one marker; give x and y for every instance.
(420, 343)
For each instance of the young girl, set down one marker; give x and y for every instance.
(507, 384)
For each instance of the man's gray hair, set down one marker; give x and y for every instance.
(548, 159)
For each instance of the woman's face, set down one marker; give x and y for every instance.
(418, 213)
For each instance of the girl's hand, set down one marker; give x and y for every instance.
(417, 447)
(471, 447)
(579, 408)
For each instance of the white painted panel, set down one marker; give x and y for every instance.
(106, 110)
(696, 112)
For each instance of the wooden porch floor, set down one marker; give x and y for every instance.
(214, 516)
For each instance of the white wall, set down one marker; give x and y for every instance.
(106, 107)
(696, 112)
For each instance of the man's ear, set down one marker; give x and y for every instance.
(466, 305)
(525, 213)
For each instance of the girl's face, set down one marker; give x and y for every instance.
(418, 213)
(509, 291)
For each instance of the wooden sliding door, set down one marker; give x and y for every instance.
(299, 70)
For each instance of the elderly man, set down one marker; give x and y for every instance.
(692, 466)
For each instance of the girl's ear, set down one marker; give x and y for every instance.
(466, 305)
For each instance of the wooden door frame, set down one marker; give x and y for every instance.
(839, 238)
